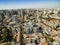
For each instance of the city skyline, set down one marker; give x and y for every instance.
(18, 4)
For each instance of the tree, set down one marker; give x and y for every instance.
(21, 37)
(1, 25)
(5, 32)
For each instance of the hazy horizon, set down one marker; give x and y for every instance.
(18, 4)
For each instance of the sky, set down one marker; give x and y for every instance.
(17, 4)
